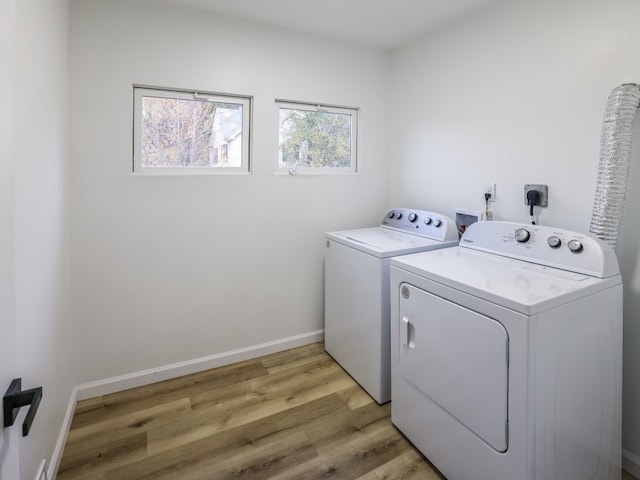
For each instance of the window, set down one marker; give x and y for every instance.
(316, 138)
(178, 131)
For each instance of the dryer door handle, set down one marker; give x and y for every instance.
(406, 332)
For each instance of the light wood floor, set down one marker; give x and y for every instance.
(292, 415)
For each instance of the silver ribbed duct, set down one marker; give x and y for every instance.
(613, 169)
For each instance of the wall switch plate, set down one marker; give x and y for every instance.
(543, 190)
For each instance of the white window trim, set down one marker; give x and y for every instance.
(315, 107)
(140, 91)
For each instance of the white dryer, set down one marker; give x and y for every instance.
(507, 354)
(356, 331)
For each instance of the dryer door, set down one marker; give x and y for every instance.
(459, 359)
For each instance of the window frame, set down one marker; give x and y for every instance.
(354, 112)
(140, 91)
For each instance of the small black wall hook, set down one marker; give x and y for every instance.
(15, 398)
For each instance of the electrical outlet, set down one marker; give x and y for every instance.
(543, 190)
(490, 188)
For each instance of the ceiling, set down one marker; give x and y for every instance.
(379, 23)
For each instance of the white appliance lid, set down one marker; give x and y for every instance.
(385, 242)
(522, 286)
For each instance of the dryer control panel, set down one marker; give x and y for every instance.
(421, 222)
(553, 247)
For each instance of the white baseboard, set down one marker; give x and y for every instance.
(167, 372)
(41, 474)
(62, 436)
(631, 463)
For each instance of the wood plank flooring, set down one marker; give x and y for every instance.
(292, 415)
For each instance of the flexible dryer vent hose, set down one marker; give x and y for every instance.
(614, 166)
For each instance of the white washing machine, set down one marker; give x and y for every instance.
(507, 354)
(356, 330)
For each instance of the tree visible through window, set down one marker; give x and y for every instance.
(316, 138)
(177, 130)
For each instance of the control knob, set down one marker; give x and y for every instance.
(427, 221)
(437, 222)
(522, 235)
(575, 246)
(391, 214)
(554, 242)
(413, 217)
(398, 215)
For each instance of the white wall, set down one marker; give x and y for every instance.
(167, 269)
(9, 439)
(35, 221)
(515, 95)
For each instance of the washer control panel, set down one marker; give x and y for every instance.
(421, 222)
(553, 247)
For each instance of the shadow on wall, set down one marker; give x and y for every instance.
(628, 252)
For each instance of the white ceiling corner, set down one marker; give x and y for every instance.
(380, 23)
